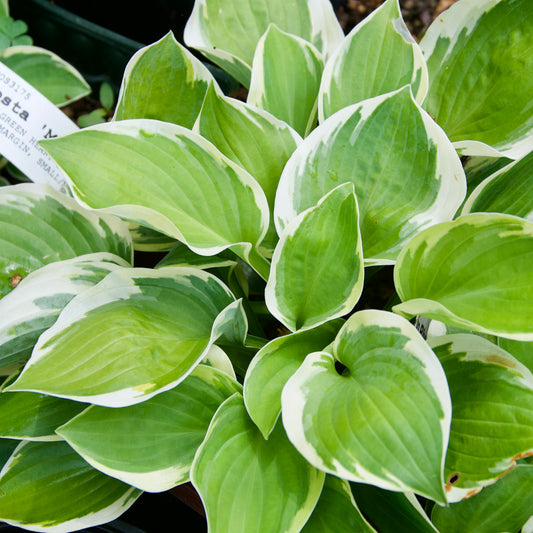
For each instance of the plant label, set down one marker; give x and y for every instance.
(26, 117)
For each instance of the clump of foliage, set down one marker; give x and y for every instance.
(275, 212)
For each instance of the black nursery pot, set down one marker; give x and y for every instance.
(97, 52)
(98, 37)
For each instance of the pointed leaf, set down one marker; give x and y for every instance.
(479, 55)
(31, 416)
(391, 60)
(385, 419)
(492, 421)
(274, 364)
(227, 31)
(391, 512)
(156, 455)
(317, 267)
(39, 226)
(47, 486)
(194, 193)
(394, 154)
(251, 137)
(39, 298)
(475, 273)
(59, 81)
(336, 510)
(163, 81)
(508, 190)
(504, 506)
(286, 74)
(250, 484)
(135, 334)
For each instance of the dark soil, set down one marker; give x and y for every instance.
(418, 14)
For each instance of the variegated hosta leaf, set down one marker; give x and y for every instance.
(135, 334)
(39, 226)
(336, 510)
(181, 255)
(492, 421)
(274, 364)
(32, 416)
(47, 486)
(391, 512)
(384, 419)
(170, 179)
(504, 506)
(478, 169)
(407, 175)
(251, 137)
(227, 31)
(163, 81)
(523, 351)
(317, 267)
(59, 81)
(475, 273)
(510, 190)
(378, 56)
(157, 454)
(248, 483)
(39, 298)
(148, 240)
(479, 54)
(286, 74)
(219, 359)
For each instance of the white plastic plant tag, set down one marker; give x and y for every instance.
(26, 117)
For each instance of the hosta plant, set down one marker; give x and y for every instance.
(250, 358)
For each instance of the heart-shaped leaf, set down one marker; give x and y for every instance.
(135, 334)
(194, 193)
(39, 298)
(391, 60)
(475, 273)
(33, 223)
(467, 86)
(492, 421)
(113, 441)
(508, 190)
(59, 81)
(286, 77)
(317, 267)
(274, 364)
(384, 417)
(47, 486)
(149, 75)
(505, 506)
(248, 483)
(227, 31)
(394, 154)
